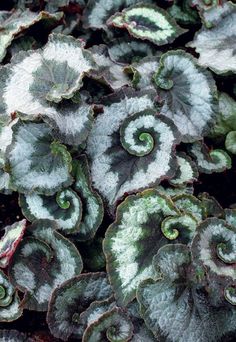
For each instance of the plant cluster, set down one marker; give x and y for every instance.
(110, 113)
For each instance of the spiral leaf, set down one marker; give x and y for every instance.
(65, 208)
(175, 297)
(42, 262)
(190, 204)
(214, 246)
(187, 171)
(136, 236)
(187, 93)
(185, 225)
(230, 294)
(55, 73)
(63, 317)
(114, 324)
(210, 161)
(116, 134)
(10, 308)
(92, 213)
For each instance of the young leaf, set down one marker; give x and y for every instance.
(211, 12)
(210, 161)
(64, 315)
(130, 146)
(10, 308)
(141, 332)
(214, 246)
(109, 71)
(65, 208)
(176, 298)
(95, 310)
(190, 204)
(230, 142)
(56, 72)
(144, 223)
(10, 240)
(211, 205)
(114, 324)
(149, 22)
(142, 72)
(71, 123)
(226, 118)
(187, 171)
(96, 12)
(188, 93)
(92, 213)
(14, 23)
(183, 12)
(217, 45)
(36, 162)
(42, 262)
(127, 51)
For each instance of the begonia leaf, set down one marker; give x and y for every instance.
(130, 146)
(149, 22)
(42, 262)
(188, 93)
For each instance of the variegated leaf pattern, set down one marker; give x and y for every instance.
(43, 76)
(187, 171)
(146, 21)
(109, 71)
(114, 324)
(64, 317)
(65, 208)
(175, 296)
(10, 308)
(13, 23)
(142, 72)
(130, 146)
(210, 161)
(217, 45)
(144, 223)
(92, 204)
(212, 11)
(37, 163)
(13, 234)
(187, 93)
(214, 246)
(43, 261)
(97, 12)
(127, 51)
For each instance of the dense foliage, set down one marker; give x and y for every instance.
(111, 115)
